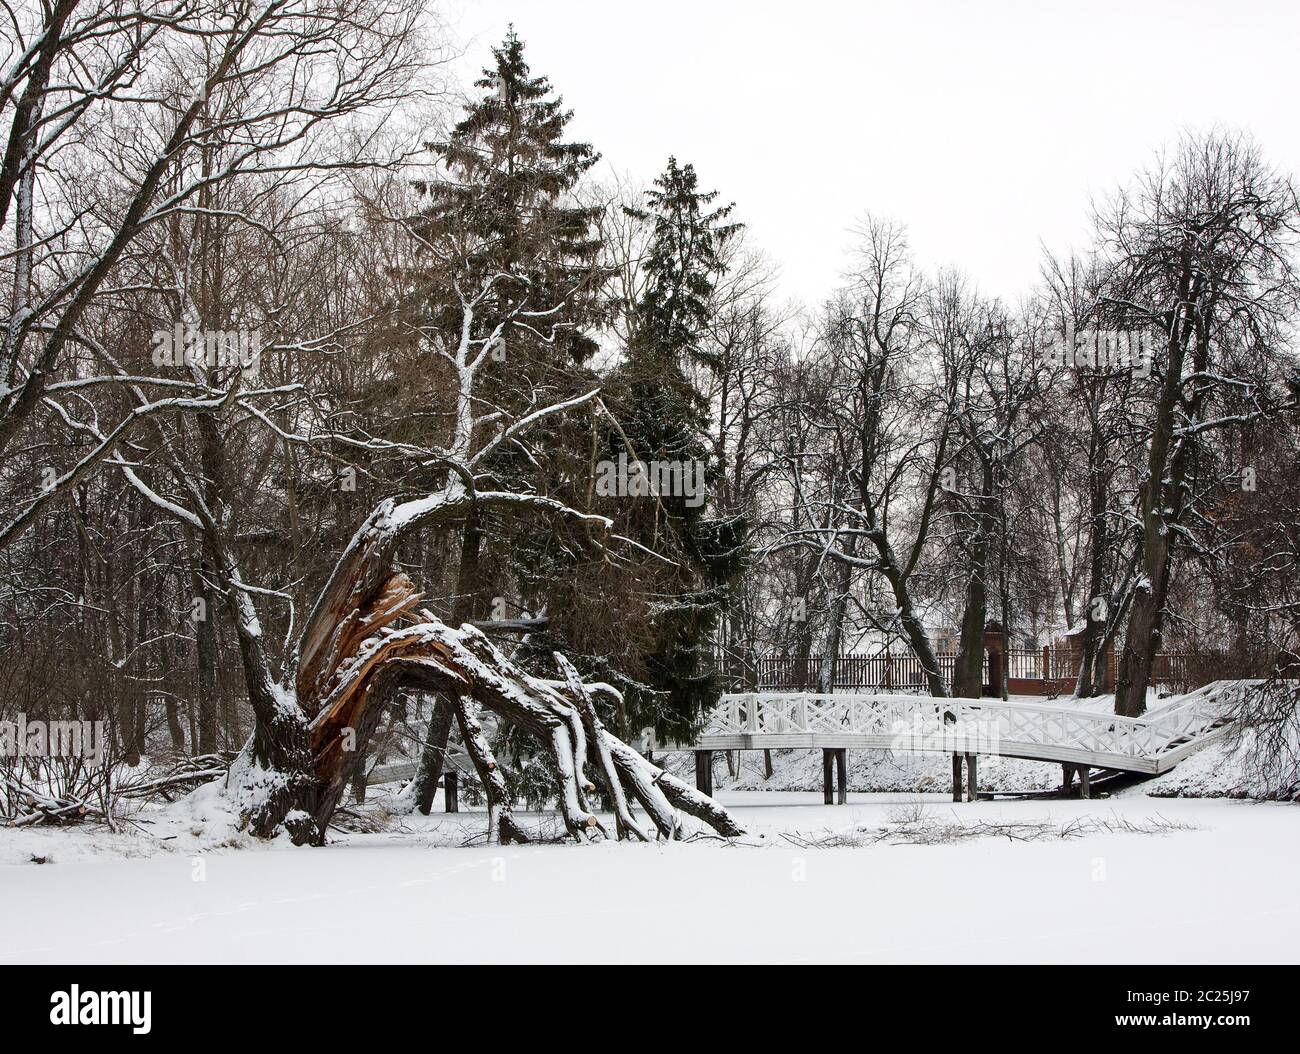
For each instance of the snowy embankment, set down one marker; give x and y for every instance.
(1217, 887)
(1220, 770)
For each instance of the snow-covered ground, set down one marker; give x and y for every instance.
(1220, 890)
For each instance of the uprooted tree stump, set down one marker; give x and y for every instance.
(368, 637)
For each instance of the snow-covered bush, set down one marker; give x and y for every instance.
(1267, 738)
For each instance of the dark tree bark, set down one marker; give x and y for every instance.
(968, 673)
(467, 604)
(1162, 501)
(433, 754)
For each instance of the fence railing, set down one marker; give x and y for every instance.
(1042, 664)
(1056, 667)
(884, 671)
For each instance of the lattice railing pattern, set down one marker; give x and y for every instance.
(911, 721)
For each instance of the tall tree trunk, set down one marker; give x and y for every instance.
(968, 671)
(835, 632)
(205, 639)
(897, 577)
(1095, 616)
(441, 718)
(433, 754)
(164, 623)
(1163, 497)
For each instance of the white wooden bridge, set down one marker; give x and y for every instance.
(1079, 739)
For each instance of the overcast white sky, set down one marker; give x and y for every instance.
(985, 126)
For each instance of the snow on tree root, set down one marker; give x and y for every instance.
(353, 656)
(465, 666)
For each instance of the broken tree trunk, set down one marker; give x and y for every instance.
(353, 656)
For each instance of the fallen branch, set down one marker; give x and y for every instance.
(929, 830)
(185, 774)
(42, 808)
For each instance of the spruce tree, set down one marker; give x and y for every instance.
(505, 201)
(500, 215)
(503, 212)
(664, 418)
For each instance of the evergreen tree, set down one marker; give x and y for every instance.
(664, 418)
(502, 217)
(511, 261)
(506, 204)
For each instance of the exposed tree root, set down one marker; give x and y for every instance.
(354, 656)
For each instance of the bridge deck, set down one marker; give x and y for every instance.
(1072, 735)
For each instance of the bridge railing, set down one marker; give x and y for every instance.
(909, 718)
(1198, 711)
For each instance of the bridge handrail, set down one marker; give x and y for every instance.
(1194, 702)
(947, 702)
(1149, 735)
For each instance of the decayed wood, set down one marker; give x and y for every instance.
(184, 775)
(44, 809)
(464, 663)
(354, 654)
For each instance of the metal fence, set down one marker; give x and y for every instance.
(1056, 669)
(884, 671)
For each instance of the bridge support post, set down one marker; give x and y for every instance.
(1067, 779)
(450, 795)
(828, 796)
(842, 774)
(704, 772)
(972, 780)
(1085, 790)
(956, 776)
